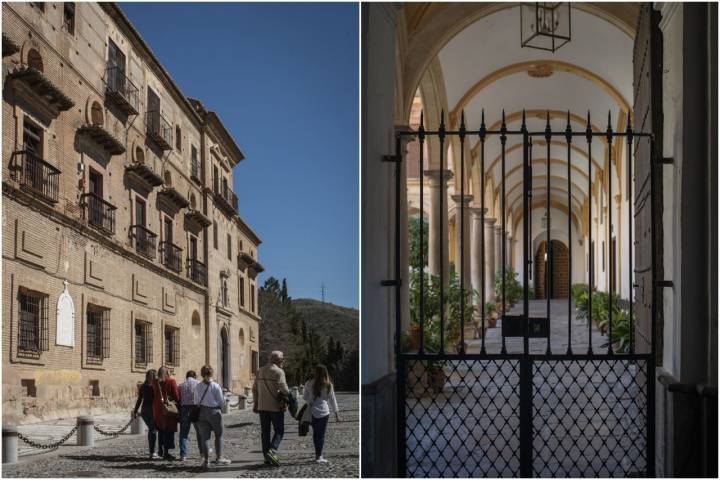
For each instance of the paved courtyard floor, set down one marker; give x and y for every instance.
(126, 455)
(588, 416)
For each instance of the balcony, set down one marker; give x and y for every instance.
(254, 269)
(197, 219)
(98, 212)
(244, 260)
(173, 196)
(32, 81)
(145, 241)
(197, 271)
(36, 175)
(103, 138)
(225, 198)
(9, 47)
(145, 173)
(171, 256)
(121, 91)
(159, 129)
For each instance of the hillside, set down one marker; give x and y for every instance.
(281, 328)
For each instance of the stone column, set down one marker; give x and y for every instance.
(514, 256)
(498, 249)
(476, 260)
(462, 245)
(489, 257)
(508, 247)
(438, 224)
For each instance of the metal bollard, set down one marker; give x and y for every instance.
(241, 402)
(138, 427)
(9, 444)
(85, 436)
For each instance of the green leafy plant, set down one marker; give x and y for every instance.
(513, 288)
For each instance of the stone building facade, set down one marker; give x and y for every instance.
(122, 244)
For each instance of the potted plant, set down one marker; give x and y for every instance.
(490, 314)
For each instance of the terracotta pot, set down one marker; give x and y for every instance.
(414, 337)
(492, 321)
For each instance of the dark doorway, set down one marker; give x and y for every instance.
(224, 359)
(553, 268)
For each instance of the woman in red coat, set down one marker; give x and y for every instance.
(165, 388)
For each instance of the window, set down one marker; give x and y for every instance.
(255, 362)
(216, 179)
(194, 164)
(98, 334)
(32, 323)
(223, 290)
(178, 138)
(95, 183)
(215, 234)
(242, 292)
(32, 138)
(143, 343)
(140, 215)
(229, 245)
(252, 298)
(69, 17)
(172, 346)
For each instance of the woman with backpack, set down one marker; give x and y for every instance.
(210, 400)
(146, 399)
(320, 397)
(165, 410)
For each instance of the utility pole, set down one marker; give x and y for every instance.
(322, 292)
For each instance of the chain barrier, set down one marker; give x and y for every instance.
(48, 446)
(113, 434)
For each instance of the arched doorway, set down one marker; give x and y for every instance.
(224, 358)
(555, 266)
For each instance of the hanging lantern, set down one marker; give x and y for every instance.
(545, 25)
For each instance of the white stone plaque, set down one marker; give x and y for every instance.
(65, 327)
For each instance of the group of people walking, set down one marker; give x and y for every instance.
(198, 404)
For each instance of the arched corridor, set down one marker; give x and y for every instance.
(551, 264)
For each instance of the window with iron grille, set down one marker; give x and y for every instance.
(255, 362)
(229, 244)
(194, 164)
(252, 298)
(172, 346)
(97, 331)
(242, 292)
(143, 343)
(69, 17)
(32, 324)
(215, 234)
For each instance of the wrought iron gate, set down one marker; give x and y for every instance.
(520, 407)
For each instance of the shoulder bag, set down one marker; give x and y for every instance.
(169, 407)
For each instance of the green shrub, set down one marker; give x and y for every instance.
(513, 288)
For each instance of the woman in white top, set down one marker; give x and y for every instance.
(320, 397)
(210, 398)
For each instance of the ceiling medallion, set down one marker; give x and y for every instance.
(542, 70)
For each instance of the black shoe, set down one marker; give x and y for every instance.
(170, 457)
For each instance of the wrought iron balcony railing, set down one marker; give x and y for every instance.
(225, 197)
(145, 241)
(36, 175)
(197, 271)
(120, 89)
(98, 212)
(159, 129)
(171, 256)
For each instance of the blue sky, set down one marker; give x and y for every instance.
(284, 80)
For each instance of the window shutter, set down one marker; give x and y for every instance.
(44, 329)
(106, 333)
(176, 347)
(148, 343)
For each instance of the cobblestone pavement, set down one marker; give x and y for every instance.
(126, 456)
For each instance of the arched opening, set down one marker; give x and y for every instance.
(34, 60)
(242, 338)
(139, 155)
(96, 114)
(551, 270)
(224, 359)
(168, 178)
(196, 324)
